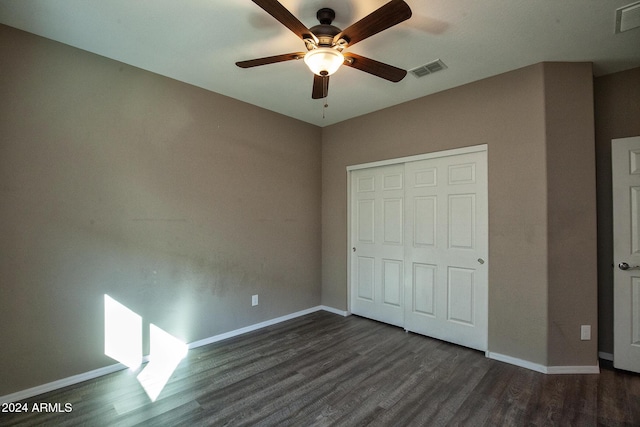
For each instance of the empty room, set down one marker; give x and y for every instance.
(236, 212)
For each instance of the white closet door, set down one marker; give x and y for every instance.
(377, 237)
(446, 249)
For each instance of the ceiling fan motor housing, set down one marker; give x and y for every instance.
(325, 32)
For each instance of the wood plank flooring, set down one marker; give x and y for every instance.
(323, 369)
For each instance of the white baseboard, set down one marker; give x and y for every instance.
(55, 385)
(554, 370)
(252, 328)
(75, 379)
(517, 362)
(334, 310)
(605, 356)
(551, 370)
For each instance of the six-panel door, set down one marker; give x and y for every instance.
(419, 246)
(377, 261)
(625, 157)
(446, 252)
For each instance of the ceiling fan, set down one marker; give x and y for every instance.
(326, 43)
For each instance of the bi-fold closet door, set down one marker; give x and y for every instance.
(419, 245)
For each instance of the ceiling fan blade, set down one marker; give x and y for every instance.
(320, 86)
(270, 60)
(371, 66)
(386, 16)
(286, 18)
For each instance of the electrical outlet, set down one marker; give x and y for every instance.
(585, 332)
(254, 300)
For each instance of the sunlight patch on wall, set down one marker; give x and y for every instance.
(122, 333)
(123, 342)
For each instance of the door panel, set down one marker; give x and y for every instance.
(446, 249)
(425, 209)
(392, 180)
(634, 214)
(625, 156)
(392, 281)
(462, 218)
(365, 214)
(393, 221)
(378, 196)
(365, 277)
(424, 287)
(462, 174)
(460, 294)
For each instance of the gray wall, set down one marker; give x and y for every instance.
(177, 202)
(516, 115)
(617, 115)
(571, 208)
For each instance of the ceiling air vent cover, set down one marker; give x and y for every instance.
(628, 17)
(430, 68)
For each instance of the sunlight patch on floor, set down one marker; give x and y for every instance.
(123, 342)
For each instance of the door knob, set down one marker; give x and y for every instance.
(625, 266)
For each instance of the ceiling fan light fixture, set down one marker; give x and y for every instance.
(323, 61)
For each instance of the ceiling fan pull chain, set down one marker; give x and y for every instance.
(325, 93)
(325, 104)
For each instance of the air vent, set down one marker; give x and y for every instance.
(430, 68)
(628, 17)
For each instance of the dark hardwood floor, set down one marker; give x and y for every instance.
(323, 369)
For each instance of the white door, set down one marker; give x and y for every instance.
(625, 157)
(419, 244)
(377, 265)
(446, 269)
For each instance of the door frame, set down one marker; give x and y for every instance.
(425, 156)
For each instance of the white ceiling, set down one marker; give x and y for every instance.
(199, 41)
